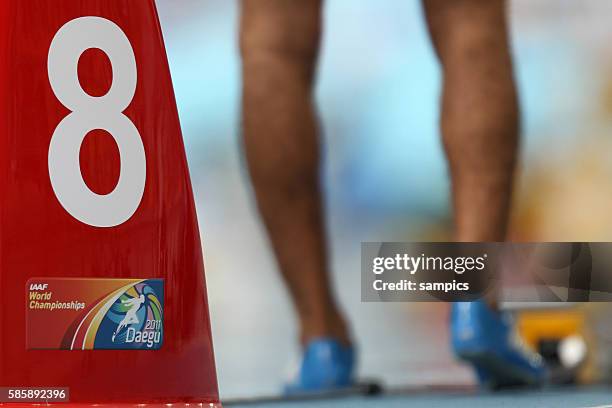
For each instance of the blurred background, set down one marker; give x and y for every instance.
(378, 90)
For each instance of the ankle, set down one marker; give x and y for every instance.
(330, 326)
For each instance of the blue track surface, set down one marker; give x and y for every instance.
(558, 398)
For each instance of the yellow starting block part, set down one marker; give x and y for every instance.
(558, 324)
(538, 325)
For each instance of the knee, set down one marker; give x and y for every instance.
(281, 31)
(468, 31)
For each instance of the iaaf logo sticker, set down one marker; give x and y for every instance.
(131, 318)
(94, 314)
(135, 318)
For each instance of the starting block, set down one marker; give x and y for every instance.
(103, 297)
(561, 334)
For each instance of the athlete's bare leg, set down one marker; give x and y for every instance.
(479, 112)
(279, 46)
(480, 132)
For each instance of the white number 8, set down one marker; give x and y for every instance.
(89, 113)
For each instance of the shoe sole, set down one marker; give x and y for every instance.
(503, 375)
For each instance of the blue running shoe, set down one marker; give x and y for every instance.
(486, 339)
(327, 365)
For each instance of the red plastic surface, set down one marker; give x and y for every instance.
(38, 237)
(119, 405)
